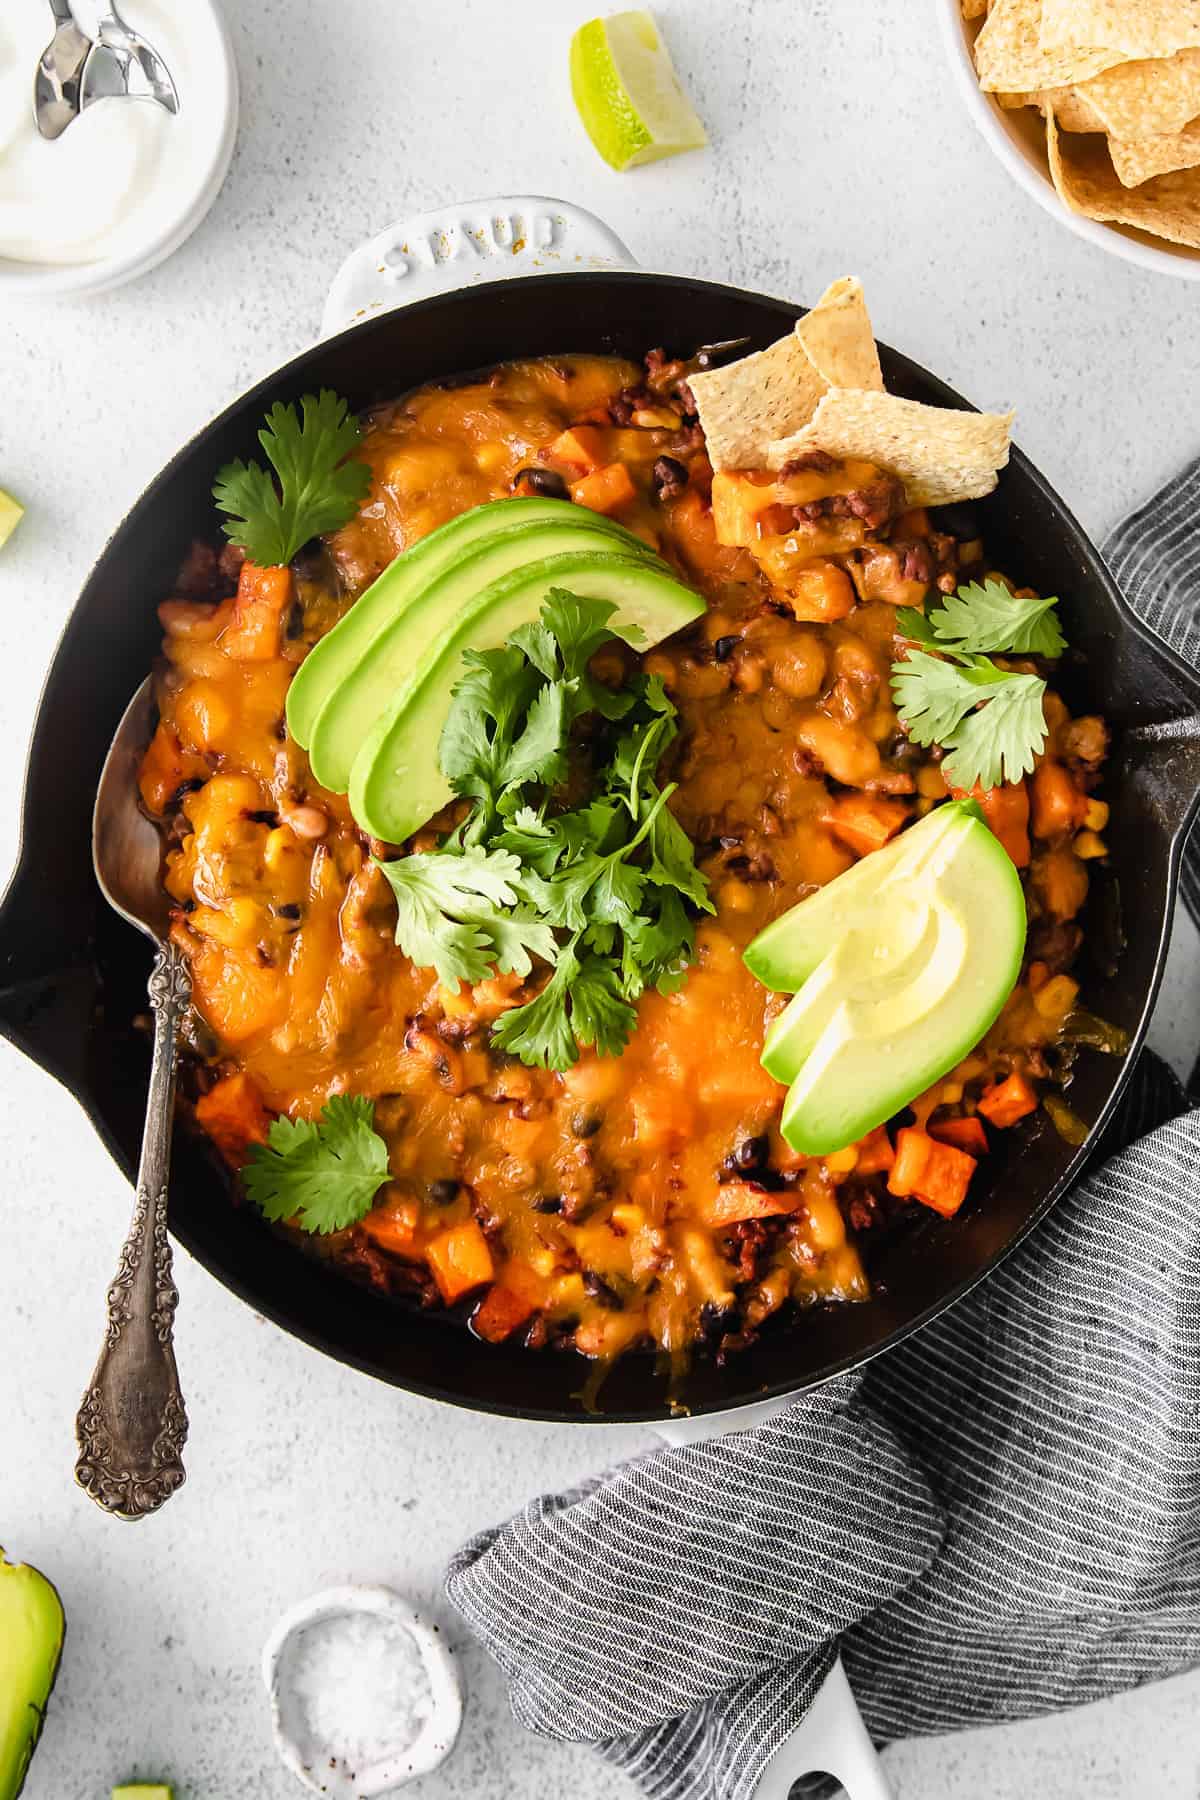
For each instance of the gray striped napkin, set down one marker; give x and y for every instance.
(998, 1519)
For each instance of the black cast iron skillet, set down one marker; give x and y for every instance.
(72, 975)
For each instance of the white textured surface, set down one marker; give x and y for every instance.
(837, 144)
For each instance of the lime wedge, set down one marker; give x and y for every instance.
(627, 92)
(11, 514)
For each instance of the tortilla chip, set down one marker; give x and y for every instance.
(1132, 27)
(745, 405)
(973, 9)
(838, 340)
(1009, 56)
(1143, 99)
(939, 454)
(1139, 159)
(1167, 206)
(1071, 109)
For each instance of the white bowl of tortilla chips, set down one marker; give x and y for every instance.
(1094, 107)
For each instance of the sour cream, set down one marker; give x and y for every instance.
(117, 175)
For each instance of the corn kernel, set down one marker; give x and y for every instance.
(1088, 846)
(950, 1093)
(542, 1262)
(931, 783)
(1096, 815)
(735, 897)
(490, 458)
(629, 1218)
(842, 1161)
(279, 842)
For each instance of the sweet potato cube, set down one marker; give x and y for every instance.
(263, 596)
(165, 767)
(582, 448)
(1006, 809)
(234, 1117)
(875, 1153)
(936, 1174)
(460, 1260)
(1058, 805)
(501, 1312)
(1007, 1101)
(865, 822)
(393, 1225)
(606, 490)
(965, 1134)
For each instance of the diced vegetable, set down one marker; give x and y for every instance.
(1006, 809)
(263, 595)
(937, 1175)
(166, 767)
(460, 1260)
(1060, 882)
(965, 1134)
(864, 821)
(505, 1307)
(734, 1201)
(875, 1153)
(393, 1226)
(821, 593)
(606, 490)
(1007, 1101)
(582, 448)
(234, 1117)
(1058, 805)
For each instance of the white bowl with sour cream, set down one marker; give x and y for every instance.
(126, 182)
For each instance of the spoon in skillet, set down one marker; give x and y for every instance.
(131, 1425)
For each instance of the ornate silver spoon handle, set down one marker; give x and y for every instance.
(131, 1424)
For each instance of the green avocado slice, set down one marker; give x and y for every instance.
(430, 613)
(330, 660)
(396, 783)
(32, 1628)
(916, 950)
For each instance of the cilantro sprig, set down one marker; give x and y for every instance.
(602, 891)
(325, 1172)
(950, 692)
(317, 485)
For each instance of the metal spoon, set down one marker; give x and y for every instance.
(131, 1425)
(56, 83)
(123, 65)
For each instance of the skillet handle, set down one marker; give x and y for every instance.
(460, 246)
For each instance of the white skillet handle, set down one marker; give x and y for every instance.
(459, 246)
(831, 1738)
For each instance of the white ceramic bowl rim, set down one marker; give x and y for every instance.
(437, 1736)
(27, 280)
(1118, 240)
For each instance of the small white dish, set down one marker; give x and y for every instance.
(212, 114)
(1016, 138)
(335, 1633)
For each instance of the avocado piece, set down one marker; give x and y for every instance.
(396, 650)
(11, 514)
(396, 784)
(336, 654)
(32, 1628)
(914, 960)
(144, 1790)
(786, 952)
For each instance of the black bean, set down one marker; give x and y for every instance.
(586, 1122)
(598, 1288)
(724, 648)
(185, 787)
(263, 816)
(545, 482)
(752, 1152)
(546, 1203)
(443, 1192)
(670, 477)
(295, 620)
(288, 910)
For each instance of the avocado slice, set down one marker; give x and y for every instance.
(11, 514)
(144, 1790)
(430, 613)
(396, 783)
(330, 660)
(916, 950)
(32, 1628)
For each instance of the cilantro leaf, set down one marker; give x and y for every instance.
(599, 1013)
(985, 616)
(540, 1032)
(447, 906)
(315, 489)
(990, 718)
(324, 1173)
